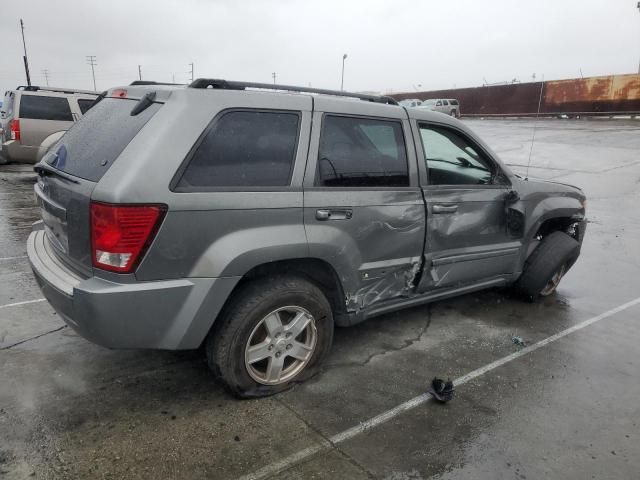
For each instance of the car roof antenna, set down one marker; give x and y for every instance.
(535, 126)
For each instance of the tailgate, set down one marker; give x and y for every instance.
(68, 174)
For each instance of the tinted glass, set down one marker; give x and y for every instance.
(93, 143)
(454, 102)
(85, 104)
(452, 160)
(245, 149)
(45, 108)
(361, 152)
(444, 102)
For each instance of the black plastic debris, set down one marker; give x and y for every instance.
(442, 391)
(519, 341)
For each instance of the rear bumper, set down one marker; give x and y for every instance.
(14, 151)
(168, 314)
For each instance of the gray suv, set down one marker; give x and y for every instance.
(254, 220)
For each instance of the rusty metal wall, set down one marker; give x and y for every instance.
(587, 96)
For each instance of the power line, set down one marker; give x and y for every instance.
(91, 60)
(45, 72)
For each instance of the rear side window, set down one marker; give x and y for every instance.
(244, 148)
(454, 102)
(361, 152)
(85, 104)
(93, 143)
(45, 108)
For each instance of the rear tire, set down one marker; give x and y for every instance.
(545, 267)
(253, 342)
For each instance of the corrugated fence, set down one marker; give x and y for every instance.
(606, 95)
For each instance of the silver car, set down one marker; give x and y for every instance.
(33, 118)
(449, 106)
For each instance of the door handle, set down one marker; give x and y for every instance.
(324, 214)
(444, 208)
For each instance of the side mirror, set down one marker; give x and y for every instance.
(511, 197)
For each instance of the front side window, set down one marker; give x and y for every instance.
(245, 149)
(361, 152)
(452, 160)
(45, 108)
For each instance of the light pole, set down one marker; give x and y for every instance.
(344, 57)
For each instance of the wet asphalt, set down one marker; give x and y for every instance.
(569, 409)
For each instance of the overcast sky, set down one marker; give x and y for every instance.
(391, 45)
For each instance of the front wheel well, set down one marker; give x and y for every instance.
(558, 224)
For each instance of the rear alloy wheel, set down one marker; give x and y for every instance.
(281, 345)
(273, 333)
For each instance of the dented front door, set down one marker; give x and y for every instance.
(467, 237)
(363, 209)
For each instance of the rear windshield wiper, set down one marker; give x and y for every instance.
(44, 169)
(145, 102)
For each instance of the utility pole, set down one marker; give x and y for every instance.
(274, 77)
(45, 72)
(638, 60)
(344, 57)
(140, 72)
(91, 60)
(191, 71)
(26, 62)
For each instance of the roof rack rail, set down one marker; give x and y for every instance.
(233, 85)
(149, 82)
(35, 88)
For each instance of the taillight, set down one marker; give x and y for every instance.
(14, 128)
(120, 234)
(119, 93)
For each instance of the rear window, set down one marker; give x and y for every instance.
(93, 143)
(85, 104)
(45, 108)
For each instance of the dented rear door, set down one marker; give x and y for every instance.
(363, 209)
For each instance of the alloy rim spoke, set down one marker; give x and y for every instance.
(274, 369)
(298, 324)
(299, 351)
(258, 352)
(273, 324)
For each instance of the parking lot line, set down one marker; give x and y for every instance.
(26, 302)
(352, 432)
